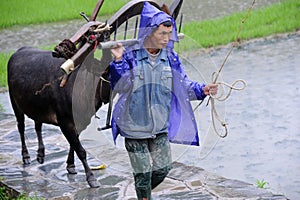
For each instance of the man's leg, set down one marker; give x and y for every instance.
(140, 161)
(161, 157)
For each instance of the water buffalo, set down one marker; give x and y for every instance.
(34, 78)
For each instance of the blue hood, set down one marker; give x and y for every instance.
(151, 18)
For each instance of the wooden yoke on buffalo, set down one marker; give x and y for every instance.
(95, 33)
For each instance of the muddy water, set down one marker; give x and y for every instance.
(264, 139)
(264, 120)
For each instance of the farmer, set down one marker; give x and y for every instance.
(154, 100)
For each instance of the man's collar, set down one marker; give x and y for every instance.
(144, 55)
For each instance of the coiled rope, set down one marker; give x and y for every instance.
(222, 97)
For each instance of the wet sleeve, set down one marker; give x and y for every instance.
(194, 89)
(197, 89)
(119, 75)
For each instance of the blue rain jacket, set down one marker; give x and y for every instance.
(182, 125)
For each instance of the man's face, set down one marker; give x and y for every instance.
(160, 37)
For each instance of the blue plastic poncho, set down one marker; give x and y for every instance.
(182, 125)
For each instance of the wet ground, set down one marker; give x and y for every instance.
(264, 119)
(263, 140)
(51, 180)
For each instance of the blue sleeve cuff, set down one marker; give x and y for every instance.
(199, 91)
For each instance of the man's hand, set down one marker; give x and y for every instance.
(210, 89)
(117, 52)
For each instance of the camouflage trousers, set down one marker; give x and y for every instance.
(151, 162)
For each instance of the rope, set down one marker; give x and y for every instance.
(102, 27)
(66, 49)
(214, 114)
(222, 97)
(236, 40)
(231, 87)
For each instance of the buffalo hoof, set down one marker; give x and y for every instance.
(71, 169)
(26, 161)
(40, 159)
(94, 183)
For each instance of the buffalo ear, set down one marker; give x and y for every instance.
(166, 9)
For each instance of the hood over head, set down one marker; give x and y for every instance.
(151, 18)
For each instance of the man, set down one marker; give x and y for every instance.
(154, 100)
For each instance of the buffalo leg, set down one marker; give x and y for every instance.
(41, 147)
(73, 139)
(25, 154)
(70, 162)
(21, 128)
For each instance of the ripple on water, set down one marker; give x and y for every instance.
(288, 143)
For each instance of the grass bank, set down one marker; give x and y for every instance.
(24, 12)
(7, 193)
(278, 18)
(3, 73)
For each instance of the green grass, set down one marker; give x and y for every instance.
(3, 63)
(5, 195)
(277, 18)
(261, 184)
(24, 12)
